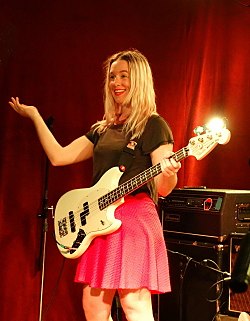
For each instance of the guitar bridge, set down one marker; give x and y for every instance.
(80, 237)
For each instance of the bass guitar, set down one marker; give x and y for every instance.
(83, 214)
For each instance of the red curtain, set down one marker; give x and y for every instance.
(51, 56)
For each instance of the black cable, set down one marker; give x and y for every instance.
(221, 281)
(218, 312)
(53, 293)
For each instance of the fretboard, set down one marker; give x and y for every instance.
(139, 180)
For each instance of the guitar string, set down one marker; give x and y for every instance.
(111, 196)
(179, 155)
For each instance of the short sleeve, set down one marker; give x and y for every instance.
(93, 136)
(157, 132)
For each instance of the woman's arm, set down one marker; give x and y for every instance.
(80, 149)
(167, 180)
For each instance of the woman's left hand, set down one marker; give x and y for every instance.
(169, 165)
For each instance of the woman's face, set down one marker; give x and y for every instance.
(119, 81)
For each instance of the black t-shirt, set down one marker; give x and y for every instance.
(108, 148)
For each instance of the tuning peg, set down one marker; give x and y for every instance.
(199, 130)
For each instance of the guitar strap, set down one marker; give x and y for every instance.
(127, 155)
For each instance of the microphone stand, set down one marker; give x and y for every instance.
(44, 229)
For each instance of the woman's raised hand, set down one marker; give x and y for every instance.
(23, 110)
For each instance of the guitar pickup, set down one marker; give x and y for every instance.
(85, 212)
(72, 221)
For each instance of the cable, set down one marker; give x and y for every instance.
(218, 270)
(219, 310)
(53, 294)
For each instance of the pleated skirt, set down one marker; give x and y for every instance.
(132, 257)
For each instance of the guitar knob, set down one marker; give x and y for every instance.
(192, 142)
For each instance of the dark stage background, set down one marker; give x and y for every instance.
(51, 55)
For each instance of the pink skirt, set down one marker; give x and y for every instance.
(132, 257)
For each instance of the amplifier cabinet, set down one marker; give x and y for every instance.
(210, 213)
(238, 302)
(194, 273)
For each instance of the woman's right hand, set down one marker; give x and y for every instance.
(23, 110)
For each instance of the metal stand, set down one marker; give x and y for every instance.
(44, 229)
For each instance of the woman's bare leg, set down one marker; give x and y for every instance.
(97, 303)
(137, 304)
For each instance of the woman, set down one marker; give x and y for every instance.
(132, 260)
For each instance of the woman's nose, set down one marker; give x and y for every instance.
(117, 81)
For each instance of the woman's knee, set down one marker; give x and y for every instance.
(97, 304)
(137, 304)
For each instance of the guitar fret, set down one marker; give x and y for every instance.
(137, 181)
(181, 154)
(129, 186)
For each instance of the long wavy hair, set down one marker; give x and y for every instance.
(141, 96)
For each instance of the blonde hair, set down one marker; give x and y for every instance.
(141, 97)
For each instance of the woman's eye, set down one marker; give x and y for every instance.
(122, 76)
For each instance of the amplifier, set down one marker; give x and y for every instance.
(193, 296)
(238, 302)
(209, 213)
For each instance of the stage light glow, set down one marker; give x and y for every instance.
(216, 124)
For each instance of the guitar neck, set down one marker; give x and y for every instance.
(139, 180)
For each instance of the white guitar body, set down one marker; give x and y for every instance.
(98, 222)
(83, 214)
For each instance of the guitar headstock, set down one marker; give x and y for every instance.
(201, 145)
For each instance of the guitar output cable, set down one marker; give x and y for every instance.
(54, 291)
(65, 247)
